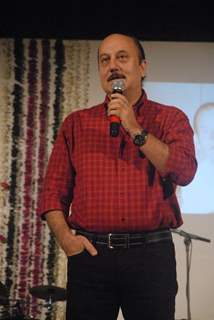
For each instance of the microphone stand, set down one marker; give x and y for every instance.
(188, 245)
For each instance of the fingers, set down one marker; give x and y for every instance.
(118, 96)
(119, 109)
(115, 107)
(88, 245)
(118, 102)
(75, 244)
(119, 99)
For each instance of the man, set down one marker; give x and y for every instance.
(122, 190)
(204, 129)
(196, 198)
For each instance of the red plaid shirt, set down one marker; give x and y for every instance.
(103, 184)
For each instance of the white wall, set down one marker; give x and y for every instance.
(181, 63)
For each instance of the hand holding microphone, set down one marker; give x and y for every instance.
(118, 86)
(121, 111)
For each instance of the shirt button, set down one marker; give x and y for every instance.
(123, 219)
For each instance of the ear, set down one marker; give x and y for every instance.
(143, 67)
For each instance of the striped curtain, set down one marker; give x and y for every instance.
(41, 82)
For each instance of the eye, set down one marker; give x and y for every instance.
(104, 60)
(122, 57)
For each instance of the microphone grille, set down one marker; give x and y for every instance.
(118, 85)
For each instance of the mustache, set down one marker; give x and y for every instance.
(115, 75)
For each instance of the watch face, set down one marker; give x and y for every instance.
(139, 140)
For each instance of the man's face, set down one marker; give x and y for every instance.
(119, 58)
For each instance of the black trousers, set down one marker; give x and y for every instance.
(141, 280)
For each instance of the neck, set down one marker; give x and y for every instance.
(133, 96)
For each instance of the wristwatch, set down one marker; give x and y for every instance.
(140, 138)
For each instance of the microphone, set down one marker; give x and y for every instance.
(118, 86)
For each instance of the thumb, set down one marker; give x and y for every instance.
(89, 247)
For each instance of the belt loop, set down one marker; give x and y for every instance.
(127, 241)
(109, 241)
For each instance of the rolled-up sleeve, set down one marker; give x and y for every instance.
(182, 164)
(57, 189)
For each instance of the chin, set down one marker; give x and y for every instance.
(107, 89)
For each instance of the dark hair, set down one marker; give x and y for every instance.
(140, 49)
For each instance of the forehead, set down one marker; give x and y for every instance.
(115, 43)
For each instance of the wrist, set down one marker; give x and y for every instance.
(135, 131)
(67, 241)
(140, 138)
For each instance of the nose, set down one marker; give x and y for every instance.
(113, 65)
